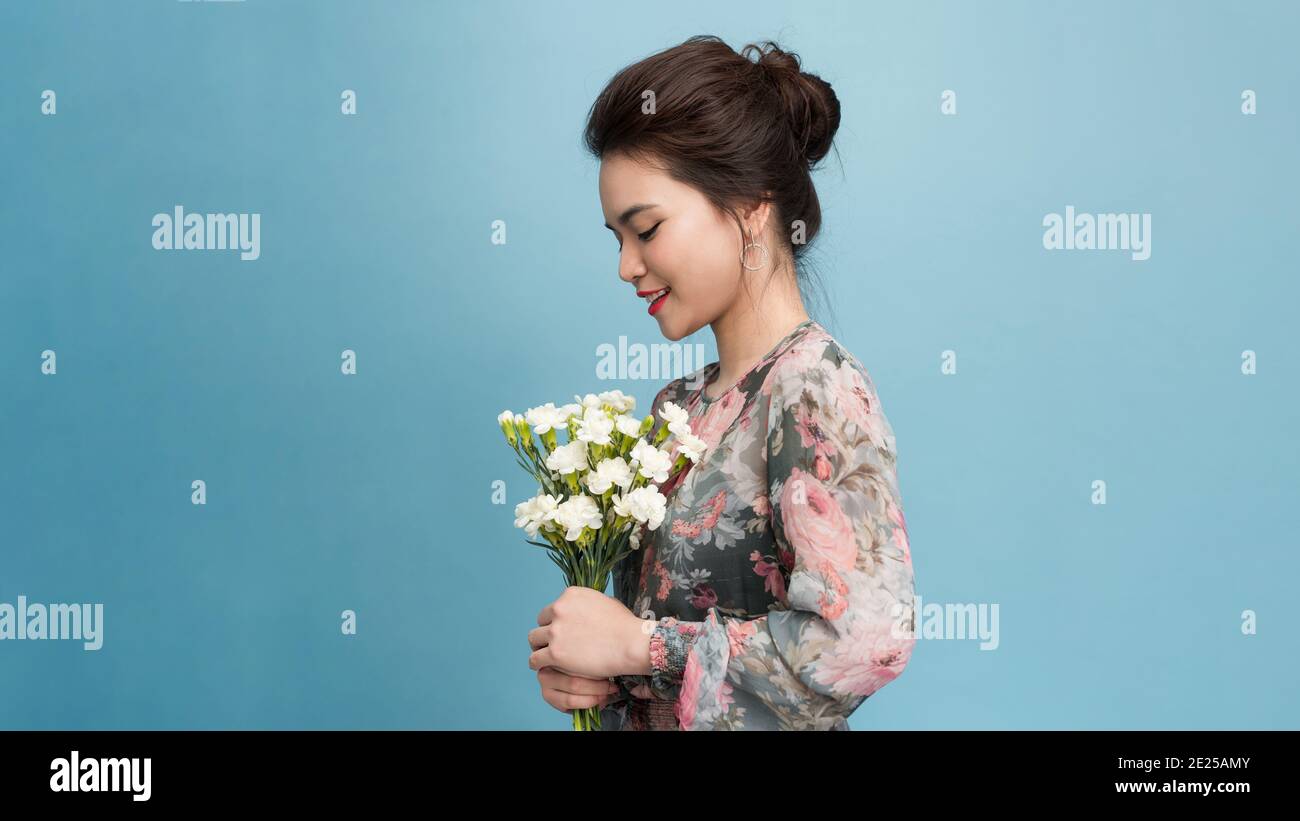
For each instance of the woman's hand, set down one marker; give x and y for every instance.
(586, 633)
(566, 693)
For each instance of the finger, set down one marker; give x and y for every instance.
(539, 637)
(547, 615)
(556, 699)
(587, 686)
(555, 679)
(552, 697)
(577, 702)
(565, 702)
(541, 658)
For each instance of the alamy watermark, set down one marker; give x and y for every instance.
(76, 774)
(657, 361)
(75, 622)
(954, 620)
(1100, 232)
(208, 232)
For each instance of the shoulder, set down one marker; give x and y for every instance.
(816, 363)
(818, 378)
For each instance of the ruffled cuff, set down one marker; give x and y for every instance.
(670, 644)
(705, 696)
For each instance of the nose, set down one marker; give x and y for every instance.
(630, 265)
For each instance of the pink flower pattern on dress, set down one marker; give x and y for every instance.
(774, 582)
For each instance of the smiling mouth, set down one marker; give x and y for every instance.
(657, 299)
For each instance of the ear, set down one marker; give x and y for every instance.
(756, 216)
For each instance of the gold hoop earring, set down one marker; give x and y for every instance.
(751, 244)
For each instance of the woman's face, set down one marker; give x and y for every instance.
(679, 242)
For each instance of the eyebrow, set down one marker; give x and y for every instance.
(632, 212)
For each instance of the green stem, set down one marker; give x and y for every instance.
(587, 718)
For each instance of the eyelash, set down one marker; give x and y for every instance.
(643, 237)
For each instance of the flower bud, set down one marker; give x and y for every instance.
(549, 441)
(507, 422)
(525, 432)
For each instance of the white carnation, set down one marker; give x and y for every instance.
(691, 446)
(575, 513)
(645, 504)
(546, 418)
(638, 450)
(620, 401)
(652, 463)
(628, 425)
(674, 415)
(567, 458)
(609, 472)
(535, 512)
(595, 427)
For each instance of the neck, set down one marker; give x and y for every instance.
(747, 331)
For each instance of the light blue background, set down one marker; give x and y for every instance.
(373, 492)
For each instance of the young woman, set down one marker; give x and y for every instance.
(778, 592)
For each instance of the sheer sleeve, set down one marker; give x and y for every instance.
(843, 627)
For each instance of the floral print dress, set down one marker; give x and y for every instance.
(780, 581)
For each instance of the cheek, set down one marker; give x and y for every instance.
(698, 263)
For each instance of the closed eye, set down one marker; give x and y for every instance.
(645, 236)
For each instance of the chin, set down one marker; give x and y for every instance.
(673, 331)
(670, 336)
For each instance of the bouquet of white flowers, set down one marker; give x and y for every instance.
(594, 494)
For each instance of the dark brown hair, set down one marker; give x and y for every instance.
(738, 130)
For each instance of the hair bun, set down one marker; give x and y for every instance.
(810, 104)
